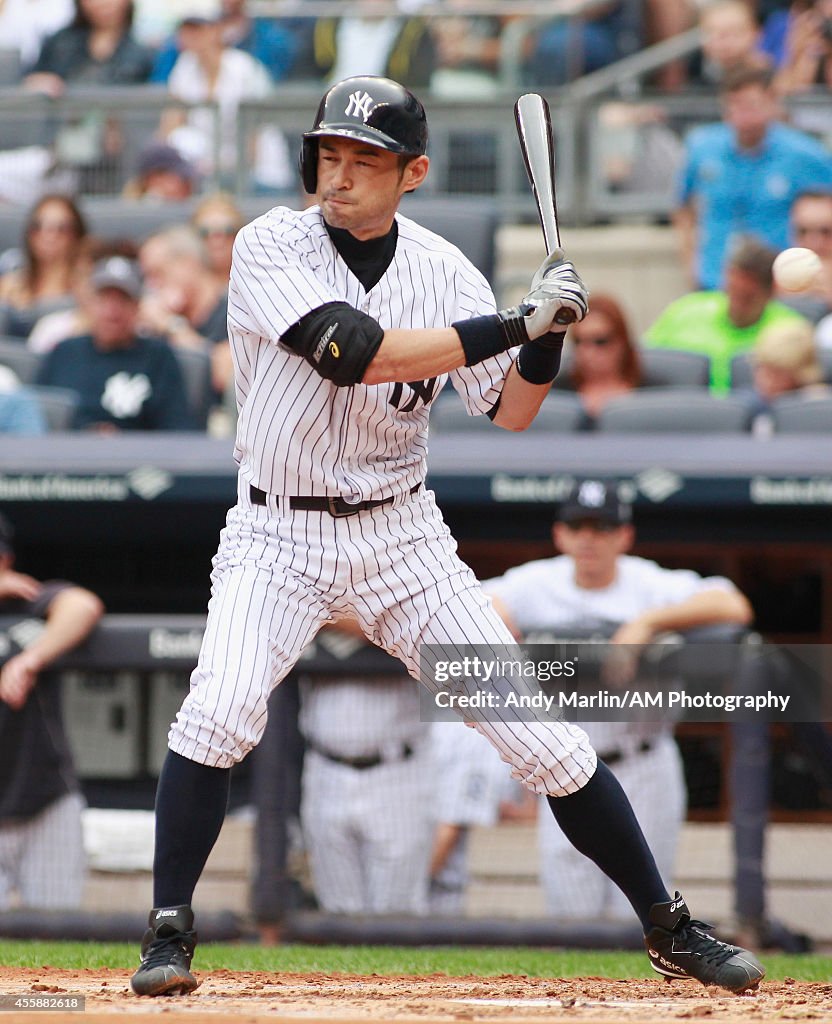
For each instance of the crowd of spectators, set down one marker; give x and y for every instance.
(109, 319)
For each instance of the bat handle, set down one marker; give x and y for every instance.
(565, 317)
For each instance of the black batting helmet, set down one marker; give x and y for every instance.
(372, 109)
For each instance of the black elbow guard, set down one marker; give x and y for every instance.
(337, 341)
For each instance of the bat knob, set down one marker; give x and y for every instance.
(565, 317)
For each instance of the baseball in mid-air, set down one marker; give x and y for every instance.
(796, 269)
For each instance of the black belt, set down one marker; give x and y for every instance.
(370, 761)
(614, 756)
(335, 506)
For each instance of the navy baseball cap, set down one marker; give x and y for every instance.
(117, 272)
(6, 536)
(595, 499)
(159, 157)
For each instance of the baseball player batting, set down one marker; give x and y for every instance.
(345, 320)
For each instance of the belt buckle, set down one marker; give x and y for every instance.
(339, 508)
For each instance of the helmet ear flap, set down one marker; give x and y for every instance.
(308, 165)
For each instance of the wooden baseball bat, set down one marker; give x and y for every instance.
(534, 130)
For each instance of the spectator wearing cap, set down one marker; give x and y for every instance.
(53, 328)
(162, 174)
(124, 380)
(41, 843)
(266, 41)
(594, 584)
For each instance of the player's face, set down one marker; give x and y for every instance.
(594, 546)
(359, 185)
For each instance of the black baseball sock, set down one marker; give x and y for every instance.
(599, 822)
(191, 800)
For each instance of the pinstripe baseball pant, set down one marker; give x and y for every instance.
(280, 575)
(575, 887)
(42, 858)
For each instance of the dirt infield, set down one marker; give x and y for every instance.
(249, 997)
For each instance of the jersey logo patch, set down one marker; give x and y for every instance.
(361, 104)
(421, 389)
(124, 394)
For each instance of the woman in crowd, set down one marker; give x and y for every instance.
(217, 220)
(784, 361)
(97, 48)
(604, 361)
(53, 240)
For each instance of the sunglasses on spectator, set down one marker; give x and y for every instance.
(600, 342)
(824, 230)
(61, 227)
(227, 230)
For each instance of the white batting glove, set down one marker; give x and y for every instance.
(539, 316)
(556, 281)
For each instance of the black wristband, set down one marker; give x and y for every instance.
(539, 363)
(486, 336)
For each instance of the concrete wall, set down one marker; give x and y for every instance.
(638, 264)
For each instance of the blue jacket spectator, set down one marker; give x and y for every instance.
(19, 411)
(263, 38)
(741, 176)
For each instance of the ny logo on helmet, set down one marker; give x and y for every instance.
(361, 104)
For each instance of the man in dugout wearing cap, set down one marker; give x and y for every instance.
(595, 583)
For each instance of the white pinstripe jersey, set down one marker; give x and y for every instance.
(298, 433)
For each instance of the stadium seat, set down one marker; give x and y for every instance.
(675, 410)
(20, 359)
(741, 374)
(58, 406)
(196, 371)
(558, 414)
(9, 66)
(796, 415)
(470, 224)
(667, 367)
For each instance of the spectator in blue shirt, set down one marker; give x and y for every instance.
(124, 381)
(273, 45)
(741, 176)
(19, 411)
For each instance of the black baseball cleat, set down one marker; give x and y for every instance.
(167, 951)
(679, 947)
